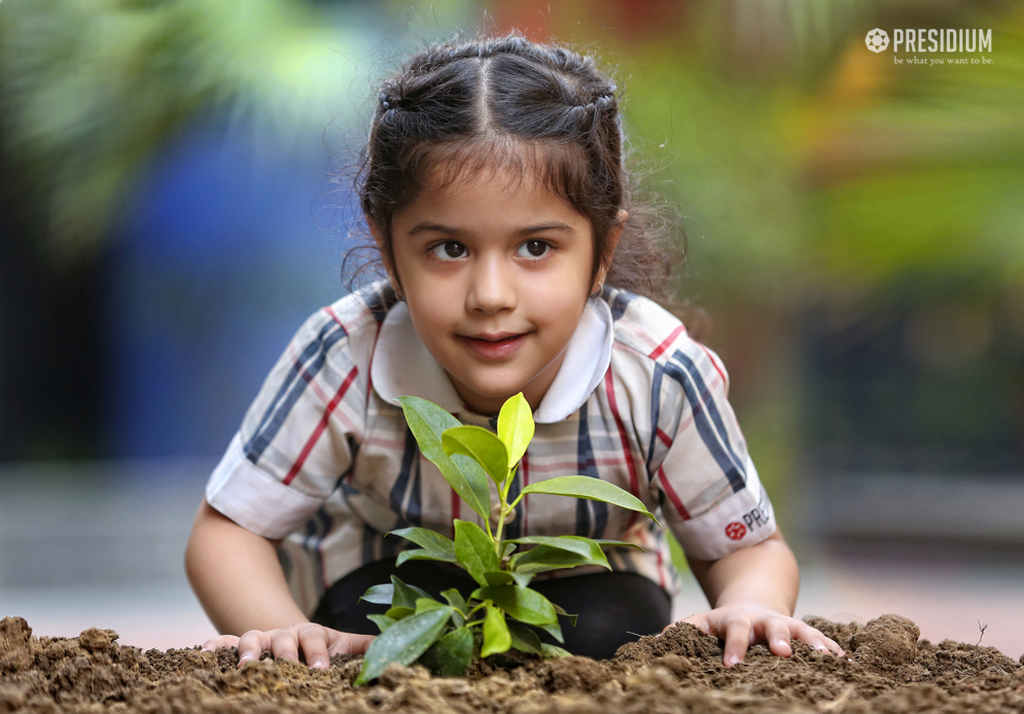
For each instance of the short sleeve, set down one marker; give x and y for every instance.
(299, 435)
(710, 492)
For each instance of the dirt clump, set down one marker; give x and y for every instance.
(887, 669)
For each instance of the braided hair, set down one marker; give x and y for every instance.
(510, 103)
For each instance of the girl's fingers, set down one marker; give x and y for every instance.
(701, 622)
(219, 642)
(834, 647)
(252, 645)
(313, 641)
(346, 643)
(284, 644)
(777, 635)
(776, 631)
(818, 641)
(737, 640)
(317, 644)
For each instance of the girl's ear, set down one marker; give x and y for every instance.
(612, 242)
(379, 237)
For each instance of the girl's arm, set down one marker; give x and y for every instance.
(753, 592)
(238, 579)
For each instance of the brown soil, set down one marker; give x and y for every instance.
(887, 670)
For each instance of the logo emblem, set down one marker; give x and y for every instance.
(735, 530)
(877, 40)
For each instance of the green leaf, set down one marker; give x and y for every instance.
(554, 629)
(498, 577)
(584, 547)
(426, 538)
(381, 621)
(400, 612)
(496, 635)
(428, 416)
(597, 555)
(522, 579)
(605, 543)
(515, 427)
(428, 422)
(482, 445)
(455, 599)
(403, 642)
(424, 554)
(475, 550)
(428, 603)
(450, 655)
(435, 546)
(563, 613)
(406, 595)
(554, 651)
(523, 604)
(570, 543)
(544, 558)
(524, 638)
(590, 488)
(379, 594)
(474, 474)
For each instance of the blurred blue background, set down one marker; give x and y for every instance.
(175, 198)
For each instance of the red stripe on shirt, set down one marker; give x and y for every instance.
(634, 484)
(330, 311)
(668, 341)
(672, 495)
(665, 439)
(321, 426)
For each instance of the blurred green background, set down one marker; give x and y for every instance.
(174, 199)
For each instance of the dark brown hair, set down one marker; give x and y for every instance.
(511, 103)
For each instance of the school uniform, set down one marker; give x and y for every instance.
(325, 462)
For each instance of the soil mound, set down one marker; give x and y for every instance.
(888, 669)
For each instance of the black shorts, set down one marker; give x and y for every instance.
(614, 608)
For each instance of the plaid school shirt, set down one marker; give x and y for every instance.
(325, 462)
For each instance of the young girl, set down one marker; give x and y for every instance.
(495, 190)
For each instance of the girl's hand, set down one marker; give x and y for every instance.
(742, 626)
(316, 642)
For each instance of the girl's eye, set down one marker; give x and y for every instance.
(533, 249)
(449, 250)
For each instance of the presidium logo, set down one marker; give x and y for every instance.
(877, 40)
(933, 40)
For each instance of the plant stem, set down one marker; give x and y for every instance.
(501, 525)
(503, 490)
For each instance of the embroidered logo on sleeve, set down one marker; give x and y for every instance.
(735, 530)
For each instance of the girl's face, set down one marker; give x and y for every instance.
(496, 270)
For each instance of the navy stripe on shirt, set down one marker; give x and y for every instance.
(405, 498)
(315, 354)
(656, 378)
(707, 419)
(591, 516)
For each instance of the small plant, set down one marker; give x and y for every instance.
(502, 613)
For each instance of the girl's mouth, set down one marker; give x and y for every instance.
(497, 347)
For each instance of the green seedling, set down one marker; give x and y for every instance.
(504, 612)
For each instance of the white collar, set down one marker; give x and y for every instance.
(401, 364)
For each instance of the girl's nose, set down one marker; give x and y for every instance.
(492, 287)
